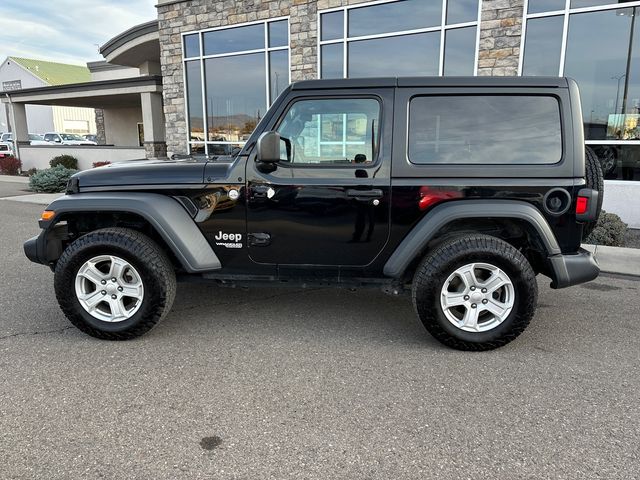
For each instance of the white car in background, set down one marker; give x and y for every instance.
(67, 139)
(33, 139)
(37, 139)
(6, 150)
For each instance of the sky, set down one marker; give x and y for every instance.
(66, 31)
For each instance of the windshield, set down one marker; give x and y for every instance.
(33, 136)
(71, 136)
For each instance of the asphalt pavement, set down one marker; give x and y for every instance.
(312, 384)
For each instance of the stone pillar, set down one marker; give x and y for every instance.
(303, 25)
(101, 134)
(500, 32)
(155, 143)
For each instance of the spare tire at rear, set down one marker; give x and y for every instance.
(595, 181)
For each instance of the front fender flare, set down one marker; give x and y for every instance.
(166, 216)
(414, 243)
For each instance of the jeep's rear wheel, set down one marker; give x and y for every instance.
(475, 293)
(115, 283)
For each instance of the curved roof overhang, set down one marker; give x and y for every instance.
(134, 47)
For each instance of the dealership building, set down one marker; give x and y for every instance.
(220, 63)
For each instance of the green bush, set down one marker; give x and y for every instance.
(66, 161)
(610, 230)
(51, 180)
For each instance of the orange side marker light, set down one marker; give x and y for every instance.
(47, 215)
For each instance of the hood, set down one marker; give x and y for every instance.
(143, 172)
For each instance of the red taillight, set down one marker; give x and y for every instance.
(429, 196)
(582, 205)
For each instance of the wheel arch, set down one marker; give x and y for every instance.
(169, 221)
(479, 216)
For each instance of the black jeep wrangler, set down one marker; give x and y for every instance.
(460, 190)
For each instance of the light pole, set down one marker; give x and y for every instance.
(618, 78)
(617, 121)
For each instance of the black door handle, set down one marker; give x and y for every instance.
(373, 193)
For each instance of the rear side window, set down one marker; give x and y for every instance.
(487, 129)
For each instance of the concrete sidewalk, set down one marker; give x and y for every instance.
(14, 179)
(36, 198)
(623, 261)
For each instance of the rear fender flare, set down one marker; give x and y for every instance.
(415, 242)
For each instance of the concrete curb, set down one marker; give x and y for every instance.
(14, 179)
(619, 260)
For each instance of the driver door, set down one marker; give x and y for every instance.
(328, 203)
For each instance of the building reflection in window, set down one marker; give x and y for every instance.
(241, 71)
(603, 55)
(399, 38)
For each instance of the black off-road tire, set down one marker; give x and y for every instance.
(152, 263)
(454, 253)
(595, 181)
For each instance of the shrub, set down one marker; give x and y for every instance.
(51, 180)
(66, 161)
(610, 230)
(30, 172)
(10, 165)
(100, 164)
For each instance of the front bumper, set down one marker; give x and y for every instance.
(573, 269)
(35, 248)
(47, 247)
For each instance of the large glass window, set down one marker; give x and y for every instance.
(194, 101)
(601, 40)
(395, 55)
(236, 39)
(459, 53)
(543, 46)
(332, 131)
(484, 130)
(400, 38)
(240, 72)
(235, 97)
(538, 6)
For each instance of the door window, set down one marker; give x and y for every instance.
(332, 131)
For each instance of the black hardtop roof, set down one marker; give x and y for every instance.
(550, 82)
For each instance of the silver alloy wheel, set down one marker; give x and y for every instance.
(477, 297)
(109, 288)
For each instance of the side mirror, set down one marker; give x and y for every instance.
(57, 140)
(269, 144)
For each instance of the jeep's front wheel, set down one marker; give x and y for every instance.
(115, 283)
(475, 293)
